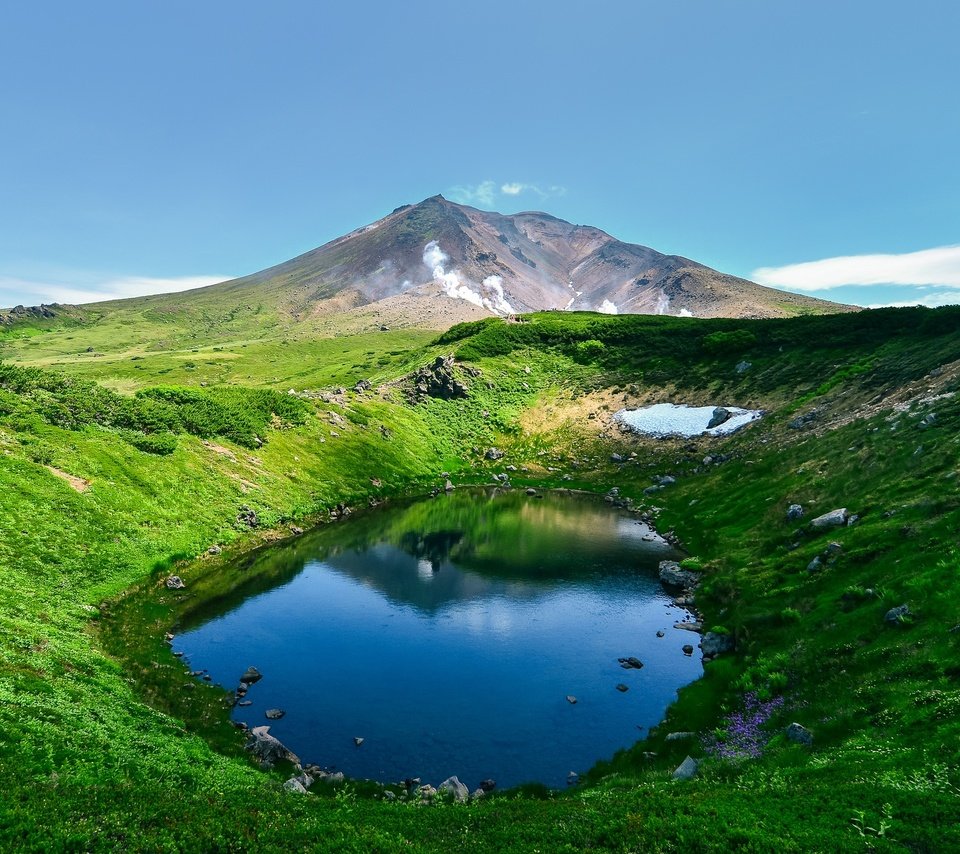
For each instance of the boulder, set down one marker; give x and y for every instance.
(622, 688)
(214, 550)
(362, 386)
(630, 663)
(251, 675)
(833, 519)
(815, 565)
(686, 770)
(720, 415)
(448, 486)
(571, 699)
(268, 749)
(672, 575)
(679, 736)
(247, 516)
(794, 512)
(426, 793)
(894, 617)
(488, 785)
(453, 787)
(274, 714)
(687, 649)
(295, 786)
(799, 734)
(743, 367)
(493, 454)
(175, 582)
(714, 643)
(357, 740)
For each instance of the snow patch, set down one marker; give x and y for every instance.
(668, 419)
(607, 307)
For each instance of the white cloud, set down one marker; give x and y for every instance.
(486, 193)
(939, 267)
(933, 300)
(79, 287)
(483, 194)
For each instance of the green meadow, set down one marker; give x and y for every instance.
(132, 443)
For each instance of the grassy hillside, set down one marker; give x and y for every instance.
(102, 747)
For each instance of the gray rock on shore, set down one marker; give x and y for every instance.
(673, 575)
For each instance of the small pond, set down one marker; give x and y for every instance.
(449, 633)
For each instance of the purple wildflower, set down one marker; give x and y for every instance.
(743, 737)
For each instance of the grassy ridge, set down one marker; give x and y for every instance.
(90, 764)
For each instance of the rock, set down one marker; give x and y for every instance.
(389, 796)
(295, 786)
(296, 530)
(630, 663)
(714, 643)
(476, 794)
(357, 740)
(269, 749)
(493, 454)
(251, 675)
(622, 688)
(686, 770)
(274, 714)
(854, 518)
(426, 793)
(743, 367)
(573, 778)
(488, 785)
(439, 380)
(571, 699)
(452, 786)
(531, 491)
(362, 386)
(448, 486)
(894, 617)
(673, 576)
(248, 517)
(244, 703)
(616, 458)
(720, 415)
(687, 649)
(652, 490)
(794, 512)
(666, 480)
(679, 736)
(834, 548)
(335, 777)
(175, 582)
(799, 734)
(214, 550)
(689, 626)
(815, 565)
(833, 519)
(805, 420)
(661, 633)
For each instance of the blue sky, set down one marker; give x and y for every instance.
(155, 145)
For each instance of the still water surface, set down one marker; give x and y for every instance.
(448, 634)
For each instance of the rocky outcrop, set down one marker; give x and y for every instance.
(455, 789)
(715, 643)
(267, 749)
(672, 575)
(439, 380)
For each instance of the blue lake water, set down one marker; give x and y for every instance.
(448, 633)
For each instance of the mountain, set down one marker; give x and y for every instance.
(518, 263)
(437, 262)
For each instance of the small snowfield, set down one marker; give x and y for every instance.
(669, 419)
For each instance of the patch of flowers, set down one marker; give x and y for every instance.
(742, 736)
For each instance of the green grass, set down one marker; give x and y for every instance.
(102, 748)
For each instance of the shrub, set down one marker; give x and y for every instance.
(729, 342)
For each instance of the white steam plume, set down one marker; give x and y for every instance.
(607, 307)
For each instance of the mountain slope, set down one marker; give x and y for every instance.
(519, 263)
(435, 263)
